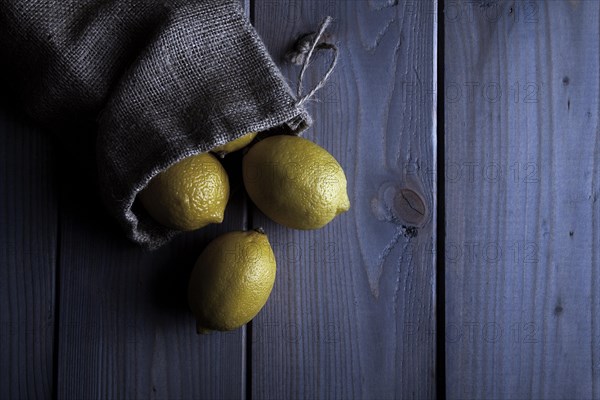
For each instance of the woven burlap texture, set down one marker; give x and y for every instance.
(162, 80)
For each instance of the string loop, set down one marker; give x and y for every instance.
(303, 51)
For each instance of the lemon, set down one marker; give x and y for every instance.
(231, 280)
(189, 194)
(295, 182)
(234, 145)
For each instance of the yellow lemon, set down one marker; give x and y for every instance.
(295, 182)
(189, 194)
(235, 145)
(231, 280)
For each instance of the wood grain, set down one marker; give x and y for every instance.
(352, 311)
(28, 237)
(522, 147)
(125, 327)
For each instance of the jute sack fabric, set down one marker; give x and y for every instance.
(160, 80)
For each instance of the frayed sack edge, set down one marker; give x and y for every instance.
(141, 228)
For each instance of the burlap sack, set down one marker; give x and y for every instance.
(162, 80)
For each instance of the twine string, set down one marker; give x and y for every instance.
(302, 53)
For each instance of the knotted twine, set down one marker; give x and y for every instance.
(302, 53)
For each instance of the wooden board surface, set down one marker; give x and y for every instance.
(28, 238)
(522, 150)
(125, 327)
(352, 311)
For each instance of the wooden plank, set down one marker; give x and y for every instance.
(28, 235)
(352, 311)
(522, 148)
(125, 327)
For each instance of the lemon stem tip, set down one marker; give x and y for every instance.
(201, 330)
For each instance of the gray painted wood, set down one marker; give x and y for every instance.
(352, 310)
(522, 151)
(125, 327)
(28, 235)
